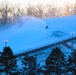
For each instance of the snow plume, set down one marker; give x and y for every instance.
(29, 22)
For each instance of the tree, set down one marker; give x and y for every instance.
(36, 11)
(31, 10)
(52, 11)
(30, 65)
(72, 62)
(8, 59)
(40, 11)
(5, 10)
(55, 62)
(74, 10)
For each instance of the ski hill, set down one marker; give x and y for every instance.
(30, 33)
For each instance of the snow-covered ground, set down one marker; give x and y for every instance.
(29, 33)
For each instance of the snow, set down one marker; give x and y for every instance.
(24, 35)
(72, 42)
(30, 33)
(64, 24)
(66, 51)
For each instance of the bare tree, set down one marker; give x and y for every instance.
(67, 9)
(31, 10)
(8, 12)
(5, 11)
(17, 13)
(36, 11)
(40, 11)
(74, 10)
(52, 11)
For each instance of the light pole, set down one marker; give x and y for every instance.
(72, 39)
(5, 41)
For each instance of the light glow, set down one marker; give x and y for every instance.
(21, 3)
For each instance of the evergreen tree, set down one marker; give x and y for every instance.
(1, 64)
(7, 53)
(55, 62)
(7, 59)
(30, 65)
(72, 62)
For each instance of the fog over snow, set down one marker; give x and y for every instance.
(30, 32)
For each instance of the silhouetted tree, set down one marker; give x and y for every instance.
(30, 65)
(7, 59)
(72, 62)
(55, 62)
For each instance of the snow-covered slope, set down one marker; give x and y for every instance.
(29, 32)
(65, 24)
(26, 33)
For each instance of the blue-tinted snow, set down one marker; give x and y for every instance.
(66, 24)
(30, 33)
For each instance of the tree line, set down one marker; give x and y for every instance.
(8, 12)
(55, 63)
